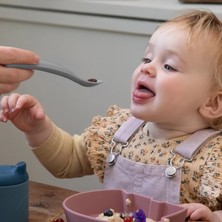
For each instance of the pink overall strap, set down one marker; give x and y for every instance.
(127, 130)
(189, 147)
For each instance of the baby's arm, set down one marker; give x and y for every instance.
(26, 113)
(48, 141)
(199, 212)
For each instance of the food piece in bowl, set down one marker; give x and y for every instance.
(114, 218)
(128, 202)
(111, 216)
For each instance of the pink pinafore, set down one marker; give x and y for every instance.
(161, 182)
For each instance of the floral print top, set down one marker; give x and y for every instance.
(201, 179)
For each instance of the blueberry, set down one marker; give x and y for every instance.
(108, 213)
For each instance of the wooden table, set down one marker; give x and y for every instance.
(45, 202)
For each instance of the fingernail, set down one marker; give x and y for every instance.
(37, 58)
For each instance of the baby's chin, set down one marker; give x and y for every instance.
(136, 112)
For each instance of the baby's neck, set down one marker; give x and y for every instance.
(161, 132)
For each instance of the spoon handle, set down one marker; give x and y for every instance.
(58, 70)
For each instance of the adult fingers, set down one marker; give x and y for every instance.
(13, 75)
(8, 87)
(10, 55)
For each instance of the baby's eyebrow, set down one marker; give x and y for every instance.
(175, 53)
(149, 46)
(149, 50)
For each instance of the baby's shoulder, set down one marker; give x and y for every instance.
(115, 110)
(109, 123)
(114, 116)
(213, 147)
(215, 141)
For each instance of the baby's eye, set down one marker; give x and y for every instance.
(146, 60)
(169, 68)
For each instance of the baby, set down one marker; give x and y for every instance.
(168, 144)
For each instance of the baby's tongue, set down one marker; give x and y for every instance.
(147, 91)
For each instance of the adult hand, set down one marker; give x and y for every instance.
(10, 78)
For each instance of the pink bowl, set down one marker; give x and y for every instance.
(85, 207)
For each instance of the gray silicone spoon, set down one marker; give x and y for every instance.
(58, 70)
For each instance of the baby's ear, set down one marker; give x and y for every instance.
(213, 107)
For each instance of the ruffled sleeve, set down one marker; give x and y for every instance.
(98, 137)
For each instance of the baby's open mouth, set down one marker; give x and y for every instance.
(145, 89)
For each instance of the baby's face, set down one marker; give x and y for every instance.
(174, 79)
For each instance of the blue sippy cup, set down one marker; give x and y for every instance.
(14, 184)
